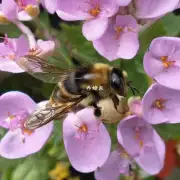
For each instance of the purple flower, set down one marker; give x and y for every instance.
(86, 140)
(120, 39)
(142, 143)
(95, 12)
(161, 104)
(50, 5)
(10, 51)
(117, 163)
(23, 10)
(20, 142)
(162, 63)
(154, 8)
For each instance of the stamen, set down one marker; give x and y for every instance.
(137, 137)
(33, 11)
(118, 30)
(83, 128)
(3, 19)
(167, 63)
(159, 103)
(95, 11)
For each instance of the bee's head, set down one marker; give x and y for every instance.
(117, 82)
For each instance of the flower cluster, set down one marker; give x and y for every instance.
(113, 27)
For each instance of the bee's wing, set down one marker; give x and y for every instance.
(47, 113)
(42, 69)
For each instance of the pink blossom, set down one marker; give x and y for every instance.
(148, 148)
(23, 10)
(94, 12)
(161, 61)
(13, 48)
(18, 141)
(86, 140)
(118, 163)
(120, 39)
(161, 104)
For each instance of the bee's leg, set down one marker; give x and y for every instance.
(96, 99)
(116, 103)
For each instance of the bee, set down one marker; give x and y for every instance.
(71, 88)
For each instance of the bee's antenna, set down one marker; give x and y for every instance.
(133, 89)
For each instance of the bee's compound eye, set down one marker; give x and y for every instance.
(97, 112)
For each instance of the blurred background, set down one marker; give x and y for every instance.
(51, 162)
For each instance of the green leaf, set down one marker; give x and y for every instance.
(168, 131)
(11, 30)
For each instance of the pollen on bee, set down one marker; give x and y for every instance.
(159, 103)
(166, 62)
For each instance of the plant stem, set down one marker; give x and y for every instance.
(24, 29)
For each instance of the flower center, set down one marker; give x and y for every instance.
(119, 30)
(159, 103)
(95, 11)
(83, 128)
(167, 63)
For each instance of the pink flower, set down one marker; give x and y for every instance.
(95, 12)
(120, 39)
(86, 140)
(23, 10)
(154, 8)
(162, 63)
(13, 48)
(142, 143)
(10, 51)
(20, 142)
(161, 104)
(135, 105)
(118, 163)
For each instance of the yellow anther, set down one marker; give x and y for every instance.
(165, 61)
(95, 11)
(159, 103)
(33, 11)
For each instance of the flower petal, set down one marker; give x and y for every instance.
(50, 5)
(22, 46)
(12, 145)
(128, 45)
(154, 8)
(13, 102)
(83, 153)
(9, 8)
(95, 28)
(111, 168)
(123, 2)
(171, 111)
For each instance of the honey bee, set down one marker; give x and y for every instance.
(83, 86)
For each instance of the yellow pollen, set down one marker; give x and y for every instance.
(3, 20)
(118, 30)
(11, 116)
(27, 131)
(167, 63)
(95, 11)
(124, 155)
(83, 128)
(32, 11)
(159, 103)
